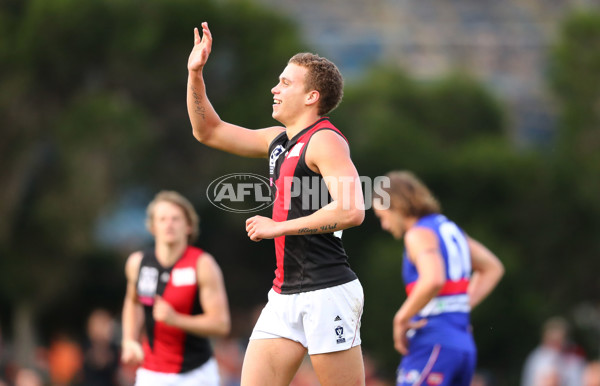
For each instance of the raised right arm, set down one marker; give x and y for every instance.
(207, 126)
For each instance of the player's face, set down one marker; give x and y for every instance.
(290, 95)
(169, 224)
(391, 221)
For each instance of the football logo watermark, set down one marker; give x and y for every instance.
(241, 193)
(248, 192)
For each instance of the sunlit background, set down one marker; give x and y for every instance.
(495, 104)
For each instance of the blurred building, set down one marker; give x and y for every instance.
(503, 43)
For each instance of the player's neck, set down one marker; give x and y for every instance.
(167, 254)
(301, 123)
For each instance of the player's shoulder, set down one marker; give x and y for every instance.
(134, 260)
(327, 140)
(328, 133)
(132, 265)
(135, 256)
(419, 234)
(207, 265)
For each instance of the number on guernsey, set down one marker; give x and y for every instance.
(459, 258)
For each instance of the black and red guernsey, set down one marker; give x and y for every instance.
(312, 261)
(169, 349)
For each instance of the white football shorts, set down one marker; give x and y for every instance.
(323, 321)
(205, 375)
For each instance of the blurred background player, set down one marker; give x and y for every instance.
(316, 301)
(591, 374)
(446, 274)
(554, 357)
(181, 291)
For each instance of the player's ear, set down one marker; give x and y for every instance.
(312, 97)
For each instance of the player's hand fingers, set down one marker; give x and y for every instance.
(206, 32)
(158, 309)
(401, 346)
(196, 36)
(253, 235)
(158, 301)
(419, 324)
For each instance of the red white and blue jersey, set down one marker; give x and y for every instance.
(448, 314)
(312, 261)
(168, 349)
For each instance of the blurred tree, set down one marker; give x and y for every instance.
(575, 79)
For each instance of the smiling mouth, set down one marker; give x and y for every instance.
(276, 101)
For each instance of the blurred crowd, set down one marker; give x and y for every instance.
(95, 361)
(69, 361)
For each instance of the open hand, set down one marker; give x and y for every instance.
(201, 50)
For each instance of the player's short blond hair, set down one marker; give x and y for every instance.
(410, 196)
(173, 197)
(323, 76)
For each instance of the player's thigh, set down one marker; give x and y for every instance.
(343, 368)
(271, 362)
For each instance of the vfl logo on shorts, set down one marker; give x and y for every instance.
(339, 331)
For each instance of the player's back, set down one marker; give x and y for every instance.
(447, 314)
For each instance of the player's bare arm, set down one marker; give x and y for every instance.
(327, 154)
(215, 319)
(423, 249)
(207, 126)
(131, 315)
(487, 272)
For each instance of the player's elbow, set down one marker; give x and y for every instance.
(223, 328)
(494, 268)
(499, 268)
(436, 284)
(200, 135)
(355, 217)
(433, 283)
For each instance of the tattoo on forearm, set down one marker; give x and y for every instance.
(307, 230)
(324, 228)
(329, 227)
(199, 109)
